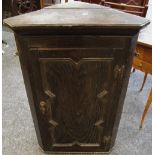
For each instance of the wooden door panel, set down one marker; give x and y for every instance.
(78, 95)
(76, 91)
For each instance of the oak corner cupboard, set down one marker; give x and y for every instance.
(76, 60)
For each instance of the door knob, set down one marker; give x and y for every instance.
(43, 107)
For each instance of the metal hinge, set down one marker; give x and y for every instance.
(119, 72)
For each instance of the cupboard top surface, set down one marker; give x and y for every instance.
(76, 14)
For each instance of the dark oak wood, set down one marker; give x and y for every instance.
(76, 73)
(89, 16)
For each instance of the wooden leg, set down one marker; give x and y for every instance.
(144, 80)
(148, 103)
(41, 4)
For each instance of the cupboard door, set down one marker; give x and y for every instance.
(76, 91)
(75, 99)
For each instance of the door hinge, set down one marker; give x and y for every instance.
(119, 72)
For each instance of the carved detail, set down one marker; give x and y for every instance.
(106, 140)
(132, 2)
(53, 123)
(102, 95)
(76, 143)
(99, 123)
(50, 94)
